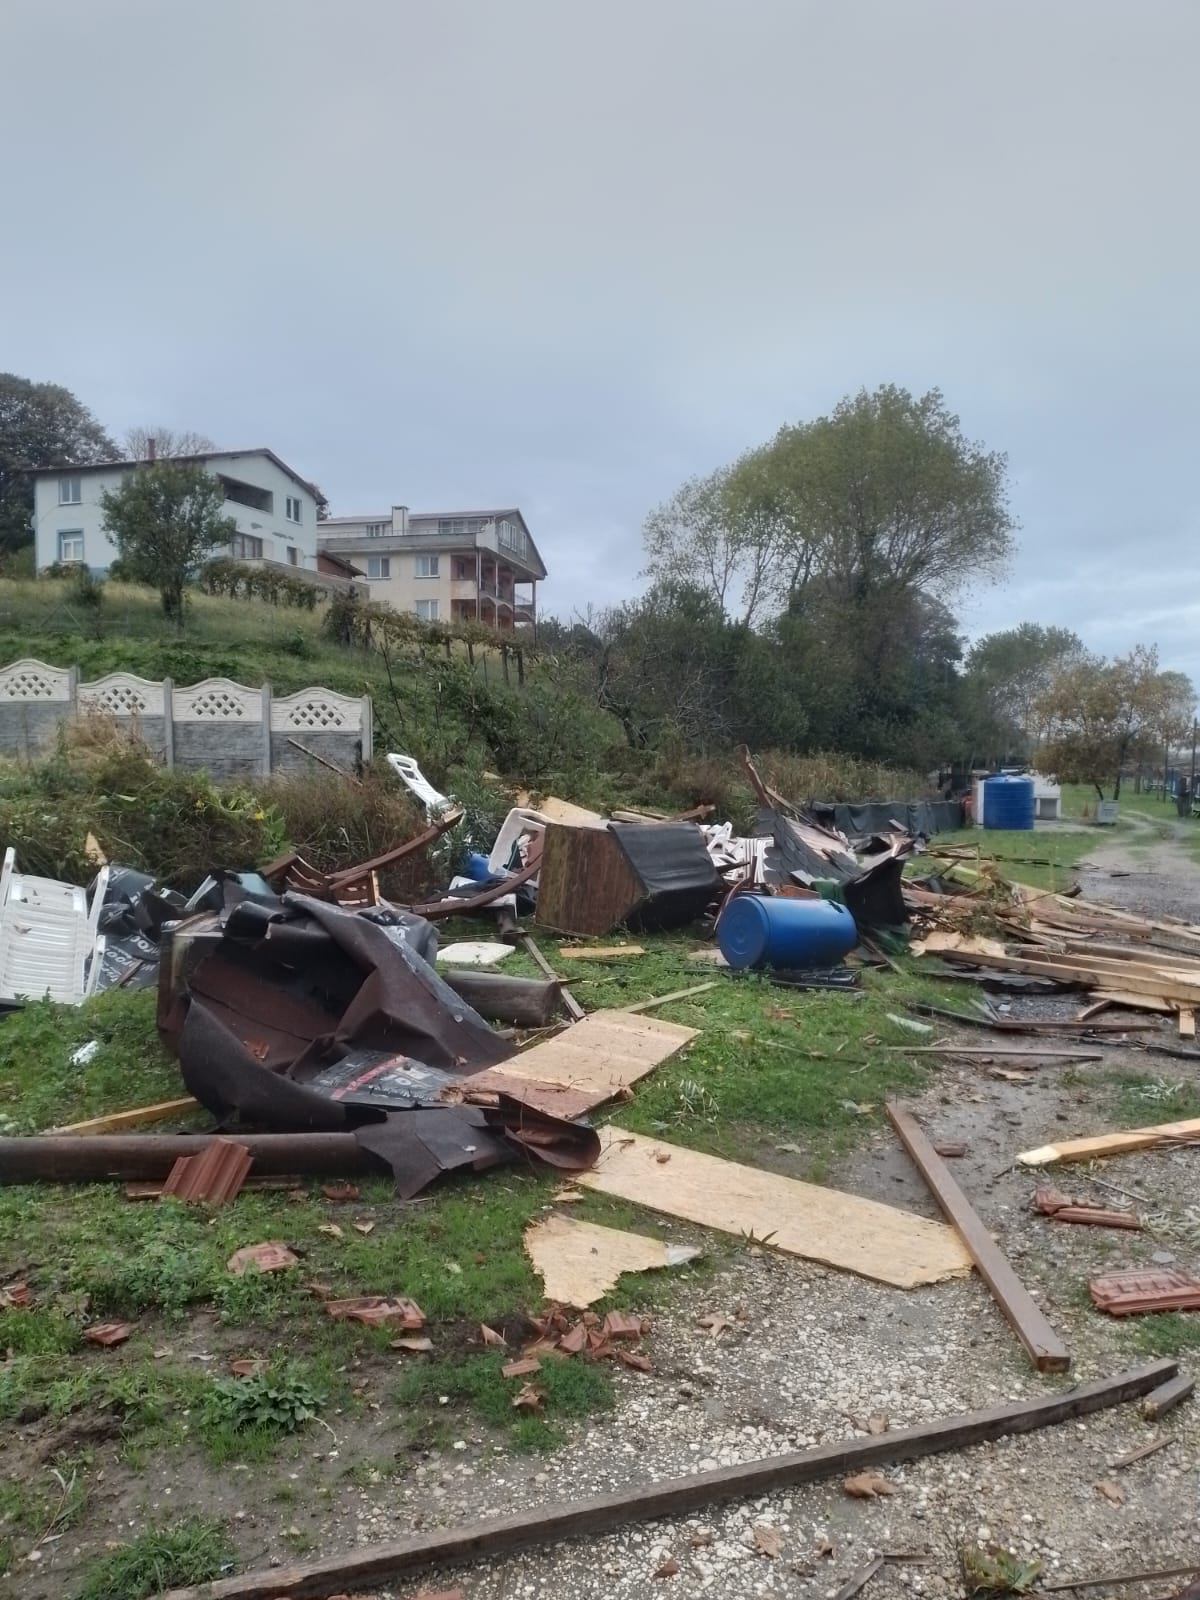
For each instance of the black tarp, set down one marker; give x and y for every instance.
(672, 863)
(884, 816)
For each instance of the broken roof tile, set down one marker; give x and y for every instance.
(1123, 1294)
(214, 1176)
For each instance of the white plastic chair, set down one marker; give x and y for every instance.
(49, 943)
(410, 774)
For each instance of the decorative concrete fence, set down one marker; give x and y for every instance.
(230, 730)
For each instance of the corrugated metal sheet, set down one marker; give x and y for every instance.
(213, 1177)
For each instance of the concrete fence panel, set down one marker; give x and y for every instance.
(227, 728)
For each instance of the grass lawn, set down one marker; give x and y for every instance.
(779, 1077)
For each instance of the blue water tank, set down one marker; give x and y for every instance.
(779, 931)
(1008, 802)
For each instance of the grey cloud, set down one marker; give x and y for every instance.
(565, 255)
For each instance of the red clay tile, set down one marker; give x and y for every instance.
(374, 1309)
(1123, 1294)
(214, 1176)
(269, 1257)
(108, 1333)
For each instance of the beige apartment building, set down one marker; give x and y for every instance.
(462, 566)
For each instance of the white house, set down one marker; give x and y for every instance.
(274, 508)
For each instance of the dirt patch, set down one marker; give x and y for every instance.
(1150, 871)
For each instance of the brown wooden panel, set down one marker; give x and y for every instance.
(585, 886)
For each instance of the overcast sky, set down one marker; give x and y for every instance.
(490, 252)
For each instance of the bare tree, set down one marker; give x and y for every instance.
(165, 444)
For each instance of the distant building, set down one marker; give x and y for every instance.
(275, 510)
(461, 566)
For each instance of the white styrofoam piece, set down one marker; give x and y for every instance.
(475, 953)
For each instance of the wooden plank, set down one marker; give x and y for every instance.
(987, 1051)
(1169, 1395)
(839, 1230)
(136, 1118)
(1187, 1022)
(1026, 1318)
(1112, 1144)
(574, 1010)
(1134, 1002)
(667, 999)
(595, 1061)
(599, 952)
(371, 1565)
(1128, 982)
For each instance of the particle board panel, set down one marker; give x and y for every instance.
(596, 1060)
(803, 1219)
(579, 1262)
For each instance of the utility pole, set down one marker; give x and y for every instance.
(1192, 785)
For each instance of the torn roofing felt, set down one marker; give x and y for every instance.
(305, 1016)
(870, 885)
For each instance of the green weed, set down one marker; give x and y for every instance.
(258, 1409)
(571, 1388)
(195, 1550)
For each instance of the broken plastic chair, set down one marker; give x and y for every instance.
(410, 774)
(49, 942)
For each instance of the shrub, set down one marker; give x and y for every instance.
(177, 825)
(334, 822)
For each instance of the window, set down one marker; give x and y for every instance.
(376, 530)
(293, 509)
(463, 568)
(427, 610)
(379, 567)
(453, 525)
(70, 491)
(70, 545)
(512, 536)
(246, 547)
(427, 566)
(293, 556)
(248, 494)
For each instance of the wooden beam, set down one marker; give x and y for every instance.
(666, 999)
(136, 1118)
(1169, 1395)
(371, 1565)
(1112, 1144)
(1187, 1022)
(1046, 1350)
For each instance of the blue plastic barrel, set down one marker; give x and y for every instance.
(778, 931)
(1008, 802)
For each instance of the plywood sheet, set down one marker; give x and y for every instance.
(596, 1060)
(839, 1230)
(580, 1262)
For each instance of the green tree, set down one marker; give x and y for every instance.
(1007, 676)
(165, 519)
(717, 542)
(1103, 715)
(41, 425)
(883, 496)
